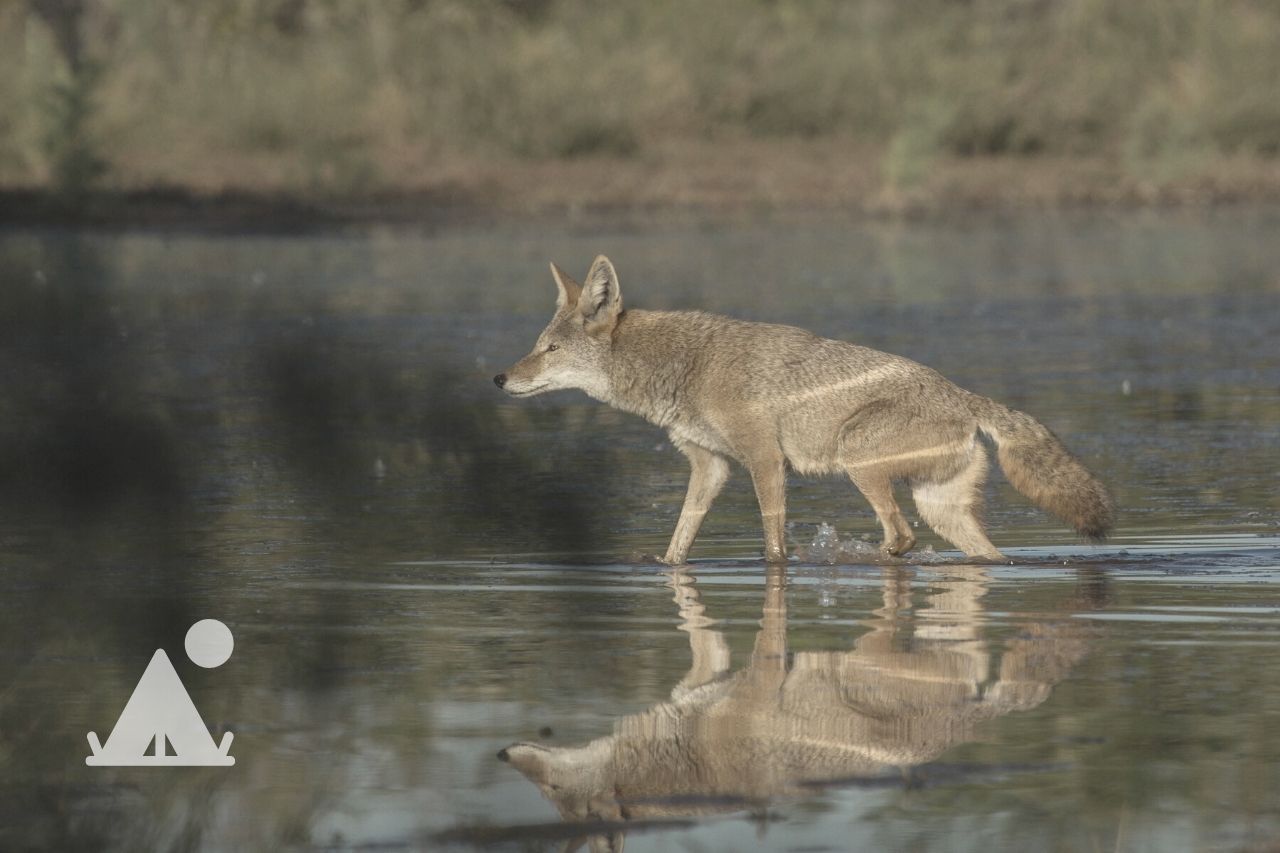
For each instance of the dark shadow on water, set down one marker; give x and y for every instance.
(170, 453)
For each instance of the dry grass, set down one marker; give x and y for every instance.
(876, 103)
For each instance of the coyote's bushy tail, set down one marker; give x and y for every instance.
(1037, 465)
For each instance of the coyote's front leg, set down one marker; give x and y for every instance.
(709, 471)
(769, 476)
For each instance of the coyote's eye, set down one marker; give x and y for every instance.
(552, 347)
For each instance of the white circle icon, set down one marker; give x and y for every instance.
(209, 643)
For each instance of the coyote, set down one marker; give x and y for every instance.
(769, 396)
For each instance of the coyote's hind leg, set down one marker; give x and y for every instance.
(952, 507)
(886, 441)
(878, 490)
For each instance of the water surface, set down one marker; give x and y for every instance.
(298, 436)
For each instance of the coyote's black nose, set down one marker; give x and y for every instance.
(500, 380)
(502, 753)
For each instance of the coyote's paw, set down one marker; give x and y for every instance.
(898, 546)
(643, 557)
(775, 557)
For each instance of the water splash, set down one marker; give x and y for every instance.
(829, 549)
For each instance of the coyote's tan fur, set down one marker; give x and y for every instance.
(769, 396)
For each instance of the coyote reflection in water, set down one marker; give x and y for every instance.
(913, 686)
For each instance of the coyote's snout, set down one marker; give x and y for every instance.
(769, 396)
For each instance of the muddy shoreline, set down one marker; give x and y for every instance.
(812, 182)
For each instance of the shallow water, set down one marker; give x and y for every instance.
(298, 436)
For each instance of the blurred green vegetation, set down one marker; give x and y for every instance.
(351, 95)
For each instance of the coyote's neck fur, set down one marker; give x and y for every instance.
(652, 362)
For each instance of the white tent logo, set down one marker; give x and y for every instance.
(161, 712)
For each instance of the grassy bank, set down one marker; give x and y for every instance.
(561, 104)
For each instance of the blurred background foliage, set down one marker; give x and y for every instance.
(349, 96)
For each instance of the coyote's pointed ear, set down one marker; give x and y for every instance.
(569, 290)
(601, 300)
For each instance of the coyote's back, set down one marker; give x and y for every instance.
(771, 396)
